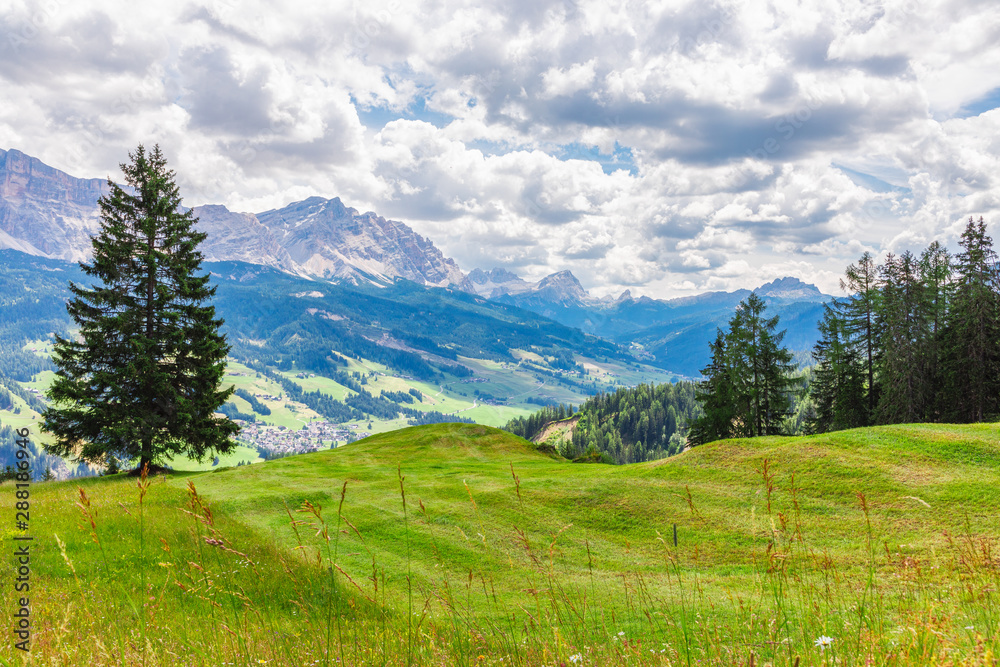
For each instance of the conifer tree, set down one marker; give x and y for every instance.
(861, 317)
(903, 371)
(142, 381)
(971, 364)
(717, 395)
(747, 386)
(936, 278)
(837, 388)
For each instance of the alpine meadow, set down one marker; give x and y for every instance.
(549, 334)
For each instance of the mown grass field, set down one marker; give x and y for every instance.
(873, 546)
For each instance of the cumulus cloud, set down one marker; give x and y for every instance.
(665, 147)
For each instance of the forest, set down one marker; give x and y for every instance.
(628, 425)
(916, 340)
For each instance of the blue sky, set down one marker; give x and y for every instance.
(664, 147)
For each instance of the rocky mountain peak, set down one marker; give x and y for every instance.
(328, 239)
(790, 288)
(48, 213)
(496, 276)
(562, 287)
(240, 237)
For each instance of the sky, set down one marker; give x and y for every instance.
(668, 148)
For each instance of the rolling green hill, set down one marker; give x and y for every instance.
(883, 540)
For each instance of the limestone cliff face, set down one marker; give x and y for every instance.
(239, 237)
(49, 213)
(44, 211)
(331, 240)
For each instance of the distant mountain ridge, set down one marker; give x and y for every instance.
(48, 213)
(672, 332)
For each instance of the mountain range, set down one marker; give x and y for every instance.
(48, 213)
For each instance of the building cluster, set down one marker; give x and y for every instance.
(276, 441)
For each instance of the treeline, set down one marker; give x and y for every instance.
(530, 426)
(397, 396)
(255, 405)
(629, 425)
(34, 402)
(917, 340)
(230, 410)
(435, 417)
(636, 424)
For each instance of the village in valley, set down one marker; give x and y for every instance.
(273, 442)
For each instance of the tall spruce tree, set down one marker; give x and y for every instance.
(747, 388)
(903, 372)
(936, 278)
(861, 317)
(717, 394)
(838, 386)
(767, 362)
(971, 363)
(142, 381)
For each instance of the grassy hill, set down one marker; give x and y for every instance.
(883, 540)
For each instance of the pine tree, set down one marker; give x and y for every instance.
(142, 380)
(838, 387)
(902, 371)
(971, 363)
(747, 385)
(717, 395)
(776, 368)
(936, 278)
(861, 317)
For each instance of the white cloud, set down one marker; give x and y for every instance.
(459, 117)
(558, 81)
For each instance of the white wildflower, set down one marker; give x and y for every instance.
(823, 641)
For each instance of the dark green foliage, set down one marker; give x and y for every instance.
(926, 334)
(904, 396)
(376, 407)
(860, 312)
(230, 410)
(629, 425)
(971, 363)
(838, 383)
(717, 396)
(255, 405)
(435, 417)
(530, 426)
(417, 394)
(748, 385)
(397, 396)
(141, 381)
